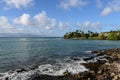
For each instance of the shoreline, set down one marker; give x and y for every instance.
(104, 65)
(105, 68)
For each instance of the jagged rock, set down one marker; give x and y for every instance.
(101, 61)
(66, 73)
(112, 74)
(101, 53)
(115, 78)
(100, 71)
(6, 78)
(88, 58)
(94, 51)
(107, 64)
(21, 70)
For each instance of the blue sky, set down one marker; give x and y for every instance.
(56, 17)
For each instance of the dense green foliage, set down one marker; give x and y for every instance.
(113, 36)
(78, 34)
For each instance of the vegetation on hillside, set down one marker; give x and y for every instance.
(79, 34)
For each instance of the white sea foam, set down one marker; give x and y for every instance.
(95, 59)
(88, 51)
(61, 68)
(23, 39)
(56, 69)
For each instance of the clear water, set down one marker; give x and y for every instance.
(24, 52)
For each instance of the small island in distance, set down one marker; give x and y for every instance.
(79, 34)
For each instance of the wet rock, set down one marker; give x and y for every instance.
(75, 58)
(92, 66)
(87, 75)
(66, 73)
(33, 67)
(1, 75)
(10, 71)
(94, 51)
(88, 58)
(101, 62)
(20, 70)
(100, 54)
(110, 59)
(6, 78)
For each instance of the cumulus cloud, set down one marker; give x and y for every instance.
(39, 20)
(4, 22)
(23, 20)
(17, 3)
(68, 4)
(106, 11)
(42, 20)
(6, 27)
(112, 6)
(39, 24)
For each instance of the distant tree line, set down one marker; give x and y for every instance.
(79, 34)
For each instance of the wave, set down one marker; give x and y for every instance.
(23, 39)
(71, 65)
(88, 51)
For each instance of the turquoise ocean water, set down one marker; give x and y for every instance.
(25, 52)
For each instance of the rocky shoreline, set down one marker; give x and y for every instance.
(107, 67)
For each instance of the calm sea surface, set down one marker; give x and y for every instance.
(24, 52)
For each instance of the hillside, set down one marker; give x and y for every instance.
(78, 34)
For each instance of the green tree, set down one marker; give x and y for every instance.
(102, 36)
(113, 36)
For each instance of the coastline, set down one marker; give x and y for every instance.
(105, 65)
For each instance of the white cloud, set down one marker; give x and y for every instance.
(4, 22)
(39, 20)
(106, 11)
(17, 3)
(24, 20)
(39, 24)
(68, 4)
(86, 24)
(6, 27)
(113, 6)
(64, 26)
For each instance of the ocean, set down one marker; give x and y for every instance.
(51, 56)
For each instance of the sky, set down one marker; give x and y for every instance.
(56, 17)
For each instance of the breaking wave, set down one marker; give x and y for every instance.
(72, 65)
